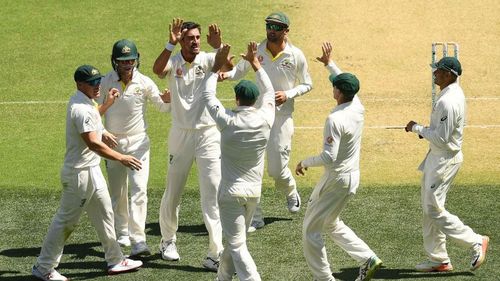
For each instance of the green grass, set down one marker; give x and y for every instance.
(387, 218)
(43, 43)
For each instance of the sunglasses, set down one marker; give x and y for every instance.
(275, 27)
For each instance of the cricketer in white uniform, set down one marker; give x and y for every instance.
(126, 121)
(440, 166)
(84, 186)
(287, 68)
(193, 137)
(245, 132)
(340, 158)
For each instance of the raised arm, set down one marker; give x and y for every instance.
(326, 59)
(175, 34)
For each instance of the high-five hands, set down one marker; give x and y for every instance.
(327, 51)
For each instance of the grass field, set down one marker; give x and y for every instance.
(385, 42)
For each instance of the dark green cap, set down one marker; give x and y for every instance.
(347, 83)
(278, 17)
(246, 90)
(124, 50)
(88, 73)
(450, 64)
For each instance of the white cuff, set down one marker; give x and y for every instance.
(169, 46)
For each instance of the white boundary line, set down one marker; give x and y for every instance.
(365, 99)
(397, 127)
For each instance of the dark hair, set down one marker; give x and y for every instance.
(190, 25)
(245, 102)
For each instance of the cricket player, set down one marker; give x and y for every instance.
(340, 158)
(84, 187)
(440, 166)
(245, 131)
(126, 121)
(287, 68)
(193, 136)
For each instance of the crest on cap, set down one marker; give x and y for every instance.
(94, 72)
(125, 50)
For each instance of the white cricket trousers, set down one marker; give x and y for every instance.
(130, 219)
(186, 146)
(438, 223)
(278, 152)
(83, 190)
(236, 215)
(327, 201)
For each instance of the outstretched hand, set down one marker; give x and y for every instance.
(327, 51)
(214, 36)
(222, 57)
(166, 96)
(299, 170)
(175, 31)
(251, 55)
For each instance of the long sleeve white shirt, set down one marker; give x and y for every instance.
(446, 129)
(244, 135)
(127, 115)
(288, 72)
(185, 82)
(341, 139)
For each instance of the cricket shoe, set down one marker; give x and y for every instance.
(140, 249)
(53, 275)
(368, 269)
(124, 241)
(432, 266)
(211, 264)
(479, 253)
(126, 265)
(168, 251)
(256, 224)
(293, 202)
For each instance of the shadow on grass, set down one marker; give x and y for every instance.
(75, 251)
(199, 229)
(397, 273)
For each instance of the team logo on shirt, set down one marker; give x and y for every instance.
(286, 64)
(137, 91)
(260, 58)
(87, 121)
(329, 139)
(178, 72)
(199, 71)
(444, 118)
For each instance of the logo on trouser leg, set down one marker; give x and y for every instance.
(171, 158)
(433, 186)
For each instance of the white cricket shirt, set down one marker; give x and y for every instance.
(185, 81)
(288, 72)
(341, 139)
(127, 115)
(81, 116)
(244, 135)
(446, 129)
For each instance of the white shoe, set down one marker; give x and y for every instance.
(479, 253)
(51, 276)
(211, 264)
(256, 224)
(293, 202)
(124, 241)
(140, 249)
(168, 251)
(125, 265)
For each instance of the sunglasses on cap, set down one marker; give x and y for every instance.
(94, 82)
(275, 27)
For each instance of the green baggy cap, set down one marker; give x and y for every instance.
(246, 90)
(278, 17)
(347, 83)
(124, 50)
(87, 73)
(450, 64)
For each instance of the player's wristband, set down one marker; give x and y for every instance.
(169, 46)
